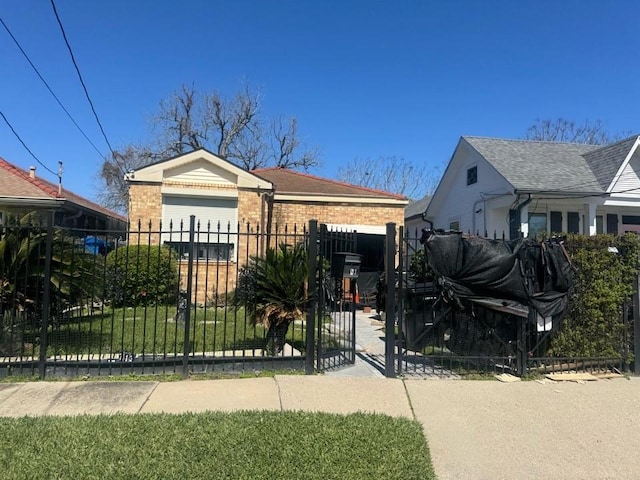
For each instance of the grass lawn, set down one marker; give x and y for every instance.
(214, 445)
(153, 329)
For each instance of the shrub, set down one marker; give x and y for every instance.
(593, 325)
(140, 275)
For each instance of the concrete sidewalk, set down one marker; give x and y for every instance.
(475, 429)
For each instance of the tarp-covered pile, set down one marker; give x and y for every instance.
(534, 274)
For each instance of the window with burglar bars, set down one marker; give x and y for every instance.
(220, 252)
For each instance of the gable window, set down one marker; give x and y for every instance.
(472, 175)
(537, 224)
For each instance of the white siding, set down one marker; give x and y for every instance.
(200, 172)
(459, 201)
(629, 181)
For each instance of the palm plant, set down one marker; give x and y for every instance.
(273, 288)
(22, 269)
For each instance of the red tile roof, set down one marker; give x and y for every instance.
(289, 181)
(16, 182)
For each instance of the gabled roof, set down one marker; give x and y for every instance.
(606, 161)
(540, 166)
(416, 208)
(155, 172)
(17, 183)
(288, 181)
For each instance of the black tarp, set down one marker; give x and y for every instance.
(535, 274)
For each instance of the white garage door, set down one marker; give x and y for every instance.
(216, 233)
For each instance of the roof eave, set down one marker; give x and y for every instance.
(562, 193)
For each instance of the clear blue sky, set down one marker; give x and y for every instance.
(365, 78)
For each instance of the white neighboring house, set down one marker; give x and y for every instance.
(518, 187)
(414, 221)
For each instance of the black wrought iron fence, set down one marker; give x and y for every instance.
(156, 300)
(434, 338)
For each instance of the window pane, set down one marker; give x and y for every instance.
(573, 222)
(204, 251)
(556, 222)
(472, 175)
(599, 224)
(537, 224)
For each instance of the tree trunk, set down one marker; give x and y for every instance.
(276, 338)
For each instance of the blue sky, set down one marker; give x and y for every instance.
(365, 78)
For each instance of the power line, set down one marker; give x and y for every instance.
(48, 87)
(25, 145)
(75, 64)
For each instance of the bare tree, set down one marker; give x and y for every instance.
(232, 128)
(391, 174)
(562, 130)
(115, 194)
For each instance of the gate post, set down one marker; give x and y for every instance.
(390, 307)
(46, 297)
(636, 327)
(522, 355)
(313, 297)
(187, 313)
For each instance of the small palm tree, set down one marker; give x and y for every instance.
(22, 261)
(278, 294)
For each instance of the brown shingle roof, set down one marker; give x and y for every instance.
(16, 182)
(288, 181)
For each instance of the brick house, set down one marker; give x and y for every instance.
(232, 206)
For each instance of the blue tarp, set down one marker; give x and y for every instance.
(95, 245)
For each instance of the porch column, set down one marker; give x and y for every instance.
(524, 221)
(590, 219)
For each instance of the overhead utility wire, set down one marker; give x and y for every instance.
(25, 145)
(75, 64)
(48, 87)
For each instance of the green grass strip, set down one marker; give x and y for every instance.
(214, 445)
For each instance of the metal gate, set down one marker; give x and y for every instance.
(333, 311)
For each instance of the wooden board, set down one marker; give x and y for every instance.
(507, 378)
(571, 377)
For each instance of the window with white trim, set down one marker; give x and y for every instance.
(216, 226)
(472, 175)
(211, 252)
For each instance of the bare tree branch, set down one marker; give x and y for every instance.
(232, 128)
(391, 174)
(563, 130)
(115, 194)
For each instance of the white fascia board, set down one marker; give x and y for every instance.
(154, 173)
(370, 229)
(200, 192)
(620, 202)
(623, 166)
(339, 199)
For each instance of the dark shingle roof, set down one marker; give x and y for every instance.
(288, 181)
(605, 161)
(540, 166)
(417, 207)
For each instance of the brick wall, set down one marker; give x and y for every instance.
(286, 213)
(146, 206)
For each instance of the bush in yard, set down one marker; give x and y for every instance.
(273, 289)
(141, 275)
(606, 267)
